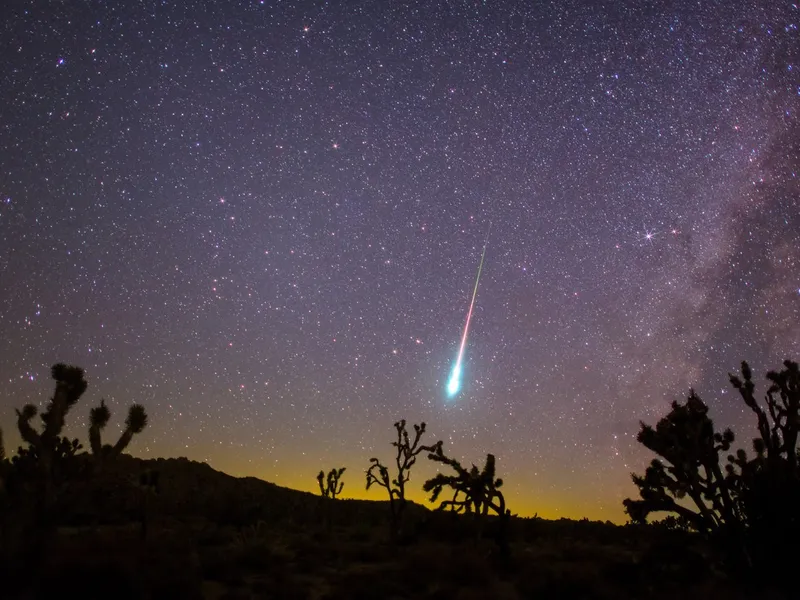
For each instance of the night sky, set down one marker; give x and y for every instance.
(263, 221)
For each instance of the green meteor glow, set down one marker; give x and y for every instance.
(454, 381)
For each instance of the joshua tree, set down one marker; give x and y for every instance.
(98, 419)
(46, 461)
(475, 491)
(48, 445)
(331, 487)
(378, 474)
(779, 425)
(768, 485)
(47, 464)
(686, 440)
(70, 386)
(750, 505)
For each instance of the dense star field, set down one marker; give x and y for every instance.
(263, 220)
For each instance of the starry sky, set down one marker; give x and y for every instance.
(263, 220)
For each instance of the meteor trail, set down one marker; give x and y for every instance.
(454, 382)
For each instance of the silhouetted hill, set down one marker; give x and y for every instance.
(189, 490)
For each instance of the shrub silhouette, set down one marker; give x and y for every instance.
(750, 507)
(378, 474)
(333, 486)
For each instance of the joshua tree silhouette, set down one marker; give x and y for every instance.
(751, 506)
(378, 474)
(475, 491)
(333, 486)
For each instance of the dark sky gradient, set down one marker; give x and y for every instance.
(263, 220)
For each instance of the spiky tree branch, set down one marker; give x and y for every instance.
(135, 423)
(70, 386)
(768, 485)
(98, 419)
(779, 425)
(28, 433)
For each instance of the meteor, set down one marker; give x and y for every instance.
(454, 382)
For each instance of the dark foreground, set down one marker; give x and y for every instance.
(208, 535)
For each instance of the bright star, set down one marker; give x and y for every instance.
(649, 235)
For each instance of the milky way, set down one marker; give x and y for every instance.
(261, 220)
